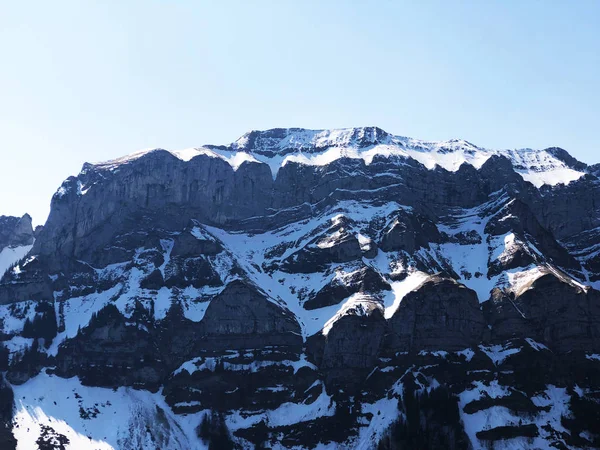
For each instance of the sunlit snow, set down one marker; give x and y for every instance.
(539, 167)
(11, 255)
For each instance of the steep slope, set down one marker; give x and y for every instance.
(313, 289)
(16, 239)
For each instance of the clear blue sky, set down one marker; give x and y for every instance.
(91, 80)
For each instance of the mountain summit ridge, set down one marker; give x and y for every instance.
(279, 146)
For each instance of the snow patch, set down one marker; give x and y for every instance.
(401, 288)
(12, 255)
(498, 353)
(359, 304)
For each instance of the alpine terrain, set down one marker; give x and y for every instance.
(303, 289)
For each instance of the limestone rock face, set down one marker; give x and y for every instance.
(338, 248)
(240, 317)
(112, 352)
(518, 218)
(349, 349)
(354, 342)
(408, 233)
(364, 280)
(549, 309)
(15, 231)
(30, 282)
(193, 242)
(439, 315)
(157, 185)
(161, 189)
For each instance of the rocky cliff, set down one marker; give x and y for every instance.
(310, 289)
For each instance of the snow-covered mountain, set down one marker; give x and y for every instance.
(277, 147)
(310, 289)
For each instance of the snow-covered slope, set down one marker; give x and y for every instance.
(55, 410)
(321, 147)
(11, 255)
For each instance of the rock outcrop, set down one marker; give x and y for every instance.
(560, 314)
(407, 232)
(440, 314)
(15, 231)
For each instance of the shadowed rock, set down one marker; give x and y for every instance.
(549, 309)
(408, 233)
(15, 231)
(241, 317)
(440, 314)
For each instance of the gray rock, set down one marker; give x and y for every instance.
(324, 250)
(15, 231)
(408, 232)
(441, 314)
(364, 280)
(551, 310)
(348, 352)
(240, 317)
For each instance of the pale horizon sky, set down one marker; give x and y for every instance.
(90, 81)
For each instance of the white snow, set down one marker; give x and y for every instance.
(201, 234)
(162, 303)
(97, 418)
(16, 345)
(436, 353)
(520, 281)
(485, 419)
(11, 255)
(330, 240)
(167, 246)
(364, 242)
(287, 413)
(471, 260)
(210, 363)
(290, 290)
(357, 304)
(467, 353)
(555, 398)
(401, 288)
(13, 316)
(298, 145)
(498, 353)
(234, 159)
(78, 311)
(194, 301)
(385, 411)
(561, 175)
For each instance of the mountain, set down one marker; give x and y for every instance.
(310, 289)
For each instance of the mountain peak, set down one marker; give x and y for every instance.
(284, 140)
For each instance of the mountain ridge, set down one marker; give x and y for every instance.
(277, 146)
(314, 309)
